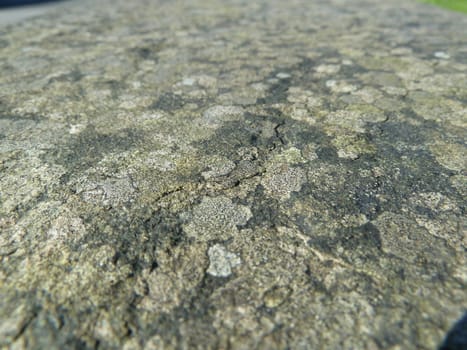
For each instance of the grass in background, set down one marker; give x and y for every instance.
(456, 5)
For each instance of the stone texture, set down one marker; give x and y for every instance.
(233, 174)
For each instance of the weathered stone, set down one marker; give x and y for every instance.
(233, 174)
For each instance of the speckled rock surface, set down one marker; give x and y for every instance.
(233, 175)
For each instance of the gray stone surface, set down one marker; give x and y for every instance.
(233, 175)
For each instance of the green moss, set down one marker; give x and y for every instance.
(456, 5)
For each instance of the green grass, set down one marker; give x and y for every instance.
(456, 5)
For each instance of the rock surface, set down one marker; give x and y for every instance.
(233, 175)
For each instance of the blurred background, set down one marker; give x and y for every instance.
(8, 3)
(12, 11)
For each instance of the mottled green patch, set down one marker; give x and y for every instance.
(364, 241)
(18, 118)
(277, 92)
(135, 237)
(149, 51)
(168, 102)
(89, 146)
(257, 131)
(74, 76)
(266, 212)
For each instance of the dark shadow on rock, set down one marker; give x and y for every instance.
(13, 3)
(456, 339)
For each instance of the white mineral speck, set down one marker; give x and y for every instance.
(221, 261)
(215, 116)
(331, 83)
(442, 55)
(283, 75)
(328, 68)
(76, 128)
(188, 81)
(342, 153)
